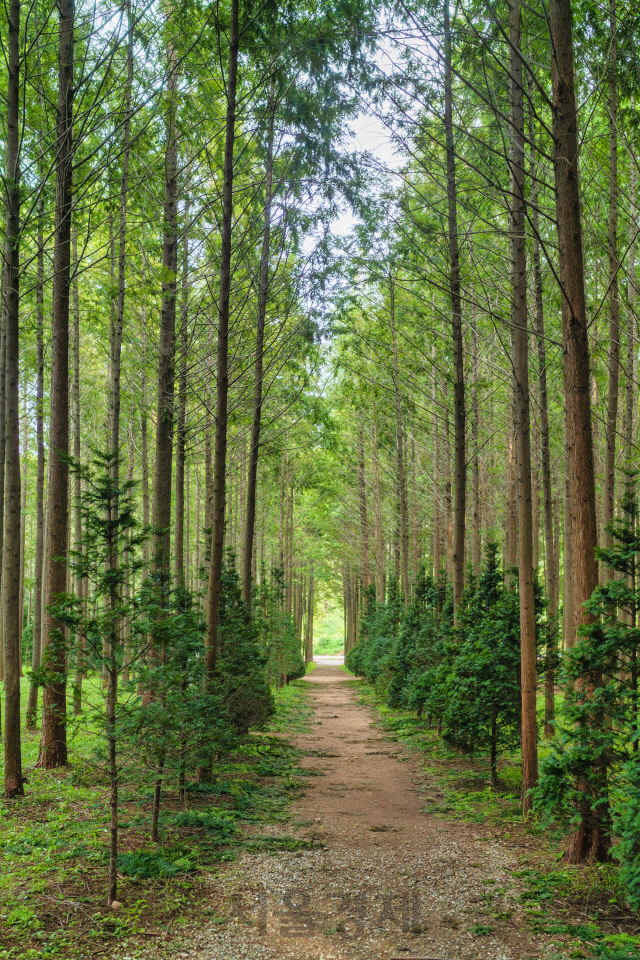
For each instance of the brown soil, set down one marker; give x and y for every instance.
(390, 880)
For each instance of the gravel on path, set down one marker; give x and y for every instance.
(389, 880)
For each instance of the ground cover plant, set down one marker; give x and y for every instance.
(54, 845)
(585, 906)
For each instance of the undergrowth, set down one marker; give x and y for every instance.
(53, 844)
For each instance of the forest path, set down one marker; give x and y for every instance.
(389, 881)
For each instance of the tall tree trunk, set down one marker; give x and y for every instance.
(167, 338)
(263, 290)
(13, 780)
(448, 505)
(589, 840)
(32, 704)
(520, 345)
(476, 540)
(511, 538)
(77, 515)
(116, 353)
(402, 475)
(364, 523)
(437, 538)
(144, 433)
(378, 502)
(551, 554)
(456, 327)
(181, 432)
(308, 652)
(53, 743)
(416, 551)
(608, 499)
(631, 371)
(222, 363)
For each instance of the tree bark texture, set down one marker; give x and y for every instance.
(222, 361)
(53, 743)
(520, 346)
(13, 779)
(589, 840)
(608, 499)
(263, 291)
(456, 327)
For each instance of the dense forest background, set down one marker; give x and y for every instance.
(252, 374)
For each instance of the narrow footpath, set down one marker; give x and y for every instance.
(389, 880)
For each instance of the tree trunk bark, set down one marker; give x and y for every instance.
(437, 538)
(476, 539)
(254, 449)
(589, 841)
(456, 326)
(144, 433)
(379, 544)
(13, 779)
(551, 553)
(608, 499)
(520, 345)
(222, 366)
(181, 433)
(167, 337)
(32, 704)
(79, 671)
(631, 372)
(364, 523)
(402, 476)
(53, 743)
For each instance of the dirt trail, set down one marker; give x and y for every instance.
(390, 880)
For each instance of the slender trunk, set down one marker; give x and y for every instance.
(53, 744)
(402, 476)
(157, 796)
(309, 644)
(631, 372)
(520, 345)
(456, 327)
(476, 540)
(181, 433)
(589, 841)
(222, 365)
(116, 351)
(415, 550)
(551, 553)
(112, 692)
(511, 538)
(3, 393)
(437, 539)
(447, 485)
(608, 499)
(144, 434)
(254, 449)
(32, 705)
(13, 779)
(167, 338)
(364, 523)
(379, 544)
(79, 671)
(23, 520)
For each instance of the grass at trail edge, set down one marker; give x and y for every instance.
(53, 844)
(583, 907)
